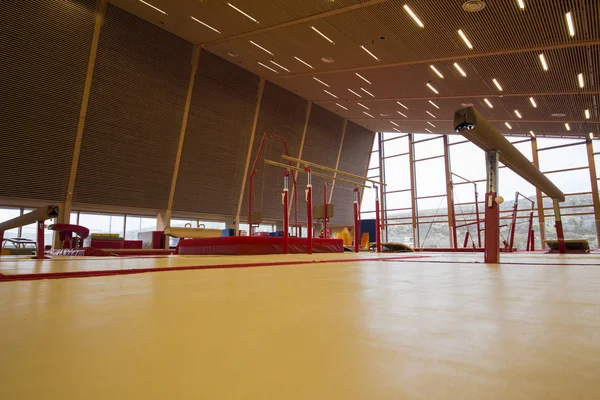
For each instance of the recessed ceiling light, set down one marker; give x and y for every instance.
(267, 67)
(322, 35)
(518, 114)
(432, 88)
(402, 105)
(508, 125)
(393, 123)
(497, 84)
(459, 69)
(401, 114)
(280, 66)
(339, 105)
(532, 101)
(364, 112)
(570, 24)
(320, 81)
(433, 104)
(413, 15)
(532, 134)
(367, 92)
(473, 5)
(559, 115)
(150, 5)
(241, 12)
(329, 93)
(521, 4)
(543, 61)
(305, 63)
(431, 114)
(428, 130)
(327, 60)
(488, 103)
(260, 47)
(436, 71)
(232, 54)
(466, 104)
(384, 114)
(397, 130)
(354, 93)
(362, 77)
(368, 52)
(580, 80)
(363, 106)
(431, 124)
(591, 135)
(464, 38)
(587, 114)
(567, 127)
(205, 24)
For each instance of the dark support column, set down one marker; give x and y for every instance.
(413, 192)
(492, 210)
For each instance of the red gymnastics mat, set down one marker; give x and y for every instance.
(251, 245)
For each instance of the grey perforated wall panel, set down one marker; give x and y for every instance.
(356, 150)
(321, 146)
(43, 63)
(135, 113)
(281, 113)
(217, 138)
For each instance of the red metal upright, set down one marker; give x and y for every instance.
(477, 218)
(356, 223)
(377, 221)
(513, 224)
(309, 227)
(325, 211)
(492, 210)
(466, 242)
(286, 218)
(530, 232)
(41, 247)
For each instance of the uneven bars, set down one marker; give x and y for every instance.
(311, 164)
(281, 165)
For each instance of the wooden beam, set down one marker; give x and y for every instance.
(413, 197)
(450, 196)
(594, 182)
(382, 202)
(539, 196)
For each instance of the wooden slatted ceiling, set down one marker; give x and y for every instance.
(43, 71)
(281, 113)
(353, 159)
(217, 138)
(135, 113)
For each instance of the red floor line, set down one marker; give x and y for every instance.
(87, 274)
(506, 263)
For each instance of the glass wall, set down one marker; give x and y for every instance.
(6, 214)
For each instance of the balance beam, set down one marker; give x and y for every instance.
(39, 215)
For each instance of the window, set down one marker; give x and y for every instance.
(103, 223)
(136, 225)
(7, 214)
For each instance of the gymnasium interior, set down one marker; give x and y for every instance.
(300, 199)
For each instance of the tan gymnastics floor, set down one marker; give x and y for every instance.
(441, 327)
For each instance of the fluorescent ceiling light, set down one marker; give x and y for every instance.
(363, 106)
(329, 93)
(488, 103)
(570, 24)
(587, 114)
(367, 92)
(532, 134)
(508, 125)
(320, 81)
(393, 123)
(543, 61)
(433, 104)
(518, 114)
(459, 69)
(367, 50)
(364, 112)
(413, 15)
(580, 80)
(305, 63)
(432, 88)
(521, 4)
(431, 124)
(267, 67)
(260, 47)
(397, 130)
(592, 135)
(497, 84)
(436, 71)
(322, 34)
(464, 38)
(339, 105)
(533, 103)
(150, 5)
(431, 114)
(400, 104)
(567, 127)
(428, 130)
(280, 66)
(362, 77)
(241, 12)
(205, 24)
(353, 92)
(401, 114)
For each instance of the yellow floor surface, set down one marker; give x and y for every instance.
(442, 327)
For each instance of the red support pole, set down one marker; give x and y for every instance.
(325, 211)
(286, 218)
(40, 251)
(309, 216)
(377, 221)
(529, 230)
(356, 233)
(249, 206)
(513, 224)
(532, 234)
(466, 243)
(477, 218)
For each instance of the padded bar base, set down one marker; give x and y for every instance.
(573, 246)
(251, 245)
